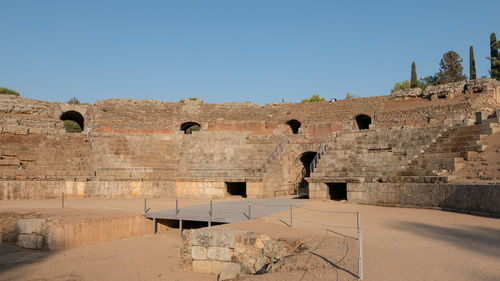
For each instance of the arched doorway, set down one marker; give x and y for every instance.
(294, 126)
(363, 121)
(190, 127)
(73, 121)
(301, 170)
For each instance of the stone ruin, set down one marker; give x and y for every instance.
(411, 148)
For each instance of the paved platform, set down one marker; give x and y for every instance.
(225, 212)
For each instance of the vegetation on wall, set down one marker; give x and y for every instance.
(73, 100)
(5, 91)
(450, 68)
(314, 98)
(183, 100)
(350, 96)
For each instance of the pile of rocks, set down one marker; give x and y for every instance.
(231, 253)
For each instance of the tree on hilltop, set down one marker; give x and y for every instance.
(414, 81)
(450, 68)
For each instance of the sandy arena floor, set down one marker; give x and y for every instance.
(398, 243)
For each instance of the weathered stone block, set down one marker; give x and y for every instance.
(30, 241)
(230, 271)
(199, 253)
(202, 266)
(219, 253)
(218, 266)
(29, 226)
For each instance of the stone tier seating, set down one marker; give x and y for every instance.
(398, 155)
(201, 155)
(42, 156)
(223, 155)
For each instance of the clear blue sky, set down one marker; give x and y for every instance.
(258, 51)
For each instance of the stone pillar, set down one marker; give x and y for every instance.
(254, 189)
(318, 190)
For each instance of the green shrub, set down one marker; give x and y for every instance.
(5, 91)
(401, 86)
(314, 98)
(72, 127)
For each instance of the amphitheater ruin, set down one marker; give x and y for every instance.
(413, 148)
(435, 149)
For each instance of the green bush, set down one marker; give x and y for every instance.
(401, 86)
(314, 98)
(72, 127)
(5, 91)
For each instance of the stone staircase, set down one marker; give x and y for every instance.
(412, 155)
(378, 155)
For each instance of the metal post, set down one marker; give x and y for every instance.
(210, 213)
(62, 201)
(176, 208)
(145, 210)
(358, 221)
(154, 225)
(360, 255)
(249, 210)
(180, 227)
(291, 214)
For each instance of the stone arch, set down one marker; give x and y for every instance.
(294, 126)
(73, 121)
(301, 170)
(363, 121)
(190, 127)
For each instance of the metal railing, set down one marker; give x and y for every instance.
(321, 151)
(277, 151)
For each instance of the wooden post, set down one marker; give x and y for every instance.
(62, 200)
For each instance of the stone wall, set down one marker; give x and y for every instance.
(469, 198)
(59, 234)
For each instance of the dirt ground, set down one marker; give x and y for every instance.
(398, 244)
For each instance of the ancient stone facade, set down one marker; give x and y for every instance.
(148, 148)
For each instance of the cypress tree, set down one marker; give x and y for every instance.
(494, 58)
(472, 64)
(414, 81)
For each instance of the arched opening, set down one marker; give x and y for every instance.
(363, 121)
(294, 125)
(73, 121)
(302, 170)
(190, 127)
